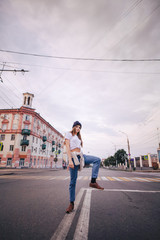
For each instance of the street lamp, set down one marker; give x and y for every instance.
(129, 153)
(115, 152)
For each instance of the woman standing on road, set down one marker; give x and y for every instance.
(77, 159)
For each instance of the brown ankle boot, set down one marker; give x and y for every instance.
(70, 208)
(95, 185)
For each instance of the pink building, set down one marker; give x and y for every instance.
(27, 139)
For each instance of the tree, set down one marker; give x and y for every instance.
(110, 161)
(120, 156)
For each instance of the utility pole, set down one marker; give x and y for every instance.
(158, 137)
(10, 70)
(129, 152)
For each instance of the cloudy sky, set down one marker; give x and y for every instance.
(108, 97)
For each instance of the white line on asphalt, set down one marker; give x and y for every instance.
(66, 178)
(51, 178)
(127, 190)
(81, 232)
(117, 179)
(154, 179)
(142, 179)
(79, 177)
(105, 179)
(65, 224)
(130, 179)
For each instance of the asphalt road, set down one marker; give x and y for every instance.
(33, 203)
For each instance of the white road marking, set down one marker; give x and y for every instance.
(81, 232)
(79, 177)
(154, 179)
(130, 179)
(127, 190)
(105, 179)
(117, 179)
(142, 179)
(65, 224)
(51, 178)
(66, 178)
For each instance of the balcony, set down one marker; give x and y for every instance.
(53, 149)
(44, 138)
(26, 132)
(53, 142)
(43, 146)
(24, 142)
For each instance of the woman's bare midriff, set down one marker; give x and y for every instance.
(76, 150)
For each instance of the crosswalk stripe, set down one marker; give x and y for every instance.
(66, 178)
(51, 178)
(85, 178)
(142, 179)
(124, 179)
(153, 179)
(118, 179)
(101, 178)
(105, 179)
(111, 179)
(129, 179)
(80, 177)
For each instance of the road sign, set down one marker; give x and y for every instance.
(1, 145)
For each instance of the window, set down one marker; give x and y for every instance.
(24, 137)
(12, 137)
(23, 148)
(14, 126)
(24, 100)
(0, 160)
(25, 126)
(5, 116)
(28, 100)
(16, 117)
(33, 139)
(36, 140)
(4, 126)
(9, 161)
(32, 149)
(34, 161)
(2, 137)
(27, 117)
(11, 147)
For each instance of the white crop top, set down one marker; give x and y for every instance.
(75, 142)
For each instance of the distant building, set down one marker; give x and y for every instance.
(27, 139)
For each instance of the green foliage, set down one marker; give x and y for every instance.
(110, 161)
(121, 156)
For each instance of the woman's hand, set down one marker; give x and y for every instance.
(71, 165)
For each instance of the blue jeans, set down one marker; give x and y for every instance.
(74, 172)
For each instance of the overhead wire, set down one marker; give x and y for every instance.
(135, 28)
(84, 59)
(89, 70)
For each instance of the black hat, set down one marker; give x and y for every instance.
(77, 123)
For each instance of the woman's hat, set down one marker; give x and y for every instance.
(77, 123)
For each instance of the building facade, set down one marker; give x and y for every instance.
(27, 139)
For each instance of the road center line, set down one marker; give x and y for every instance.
(81, 232)
(65, 224)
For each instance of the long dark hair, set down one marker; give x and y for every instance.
(78, 134)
